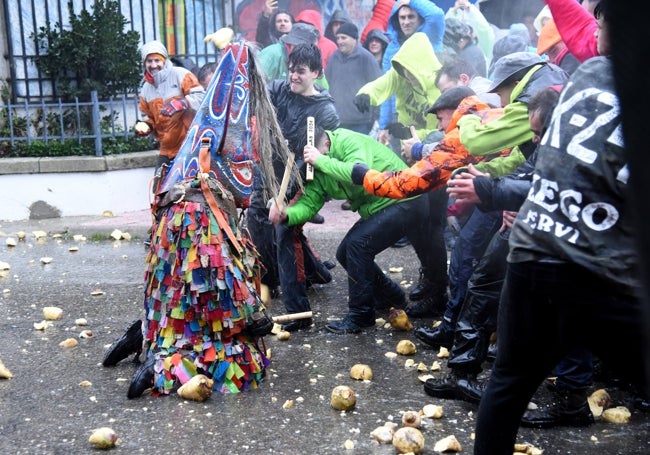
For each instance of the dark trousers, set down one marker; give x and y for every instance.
(288, 259)
(263, 236)
(437, 273)
(368, 286)
(297, 265)
(546, 310)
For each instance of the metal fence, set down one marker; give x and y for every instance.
(59, 121)
(180, 24)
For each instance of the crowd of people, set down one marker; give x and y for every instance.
(429, 118)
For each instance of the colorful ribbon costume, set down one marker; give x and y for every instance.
(201, 294)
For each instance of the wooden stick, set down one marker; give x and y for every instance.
(292, 316)
(311, 127)
(279, 199)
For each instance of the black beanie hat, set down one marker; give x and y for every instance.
(348, 28)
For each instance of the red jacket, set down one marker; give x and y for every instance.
(576, 26)
(326, 45)
(379, 19)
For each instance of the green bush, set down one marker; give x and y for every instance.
(73, 147)
(93, 53)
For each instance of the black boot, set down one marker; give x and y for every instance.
(129, 343)
(298, 324)
(262, 324)
(423, 289)
(443, 335)
(570, 409)
(142, 379)
(471, 389)
(434, 305)
(446, 387)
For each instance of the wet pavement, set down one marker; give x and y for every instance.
(45, 410)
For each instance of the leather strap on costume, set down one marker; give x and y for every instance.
(221, 221)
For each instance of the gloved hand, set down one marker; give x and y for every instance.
(399, 131)
(453, 225)
(142, 128)
(362, 102)
(173, 106)
(359, 171)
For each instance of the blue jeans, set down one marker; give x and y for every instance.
(474, 238)
(575, 371)
(546, 311)
(478, 316)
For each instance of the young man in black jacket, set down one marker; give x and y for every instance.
(289, 259)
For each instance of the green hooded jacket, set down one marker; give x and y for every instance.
(411, 101)
(332, 176)
(509, 131)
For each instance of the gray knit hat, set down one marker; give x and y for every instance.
(153, 47)
(348, 28)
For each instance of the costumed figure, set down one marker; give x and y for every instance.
(203, 312)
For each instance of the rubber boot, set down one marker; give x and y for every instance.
(127, 344)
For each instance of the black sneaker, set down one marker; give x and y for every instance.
(471, 389)
(347, 325)
(329, 264)
(442, 388)
(434, 337)
(298, 324)
(568, 411)
(261, 324)
(429, 307)
(423, 289)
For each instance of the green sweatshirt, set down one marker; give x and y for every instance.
(509, 131)
(332, 176)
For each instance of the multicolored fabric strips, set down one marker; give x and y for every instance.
(199, 297)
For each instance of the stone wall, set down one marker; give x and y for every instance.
(38, 188)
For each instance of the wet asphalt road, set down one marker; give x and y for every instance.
(44, 410)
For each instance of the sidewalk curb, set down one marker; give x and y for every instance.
(137, 224)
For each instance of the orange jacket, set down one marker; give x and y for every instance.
(171, 82)
(433, 171)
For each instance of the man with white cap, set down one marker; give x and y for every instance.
(169, 99)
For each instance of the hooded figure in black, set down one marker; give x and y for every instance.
(379, 36)
(338, 18)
